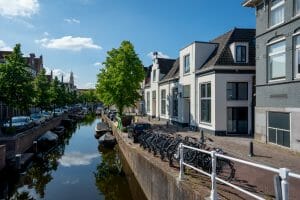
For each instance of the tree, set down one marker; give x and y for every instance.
(16, 81)
(119, 82)
(42, 90)
(54, 92)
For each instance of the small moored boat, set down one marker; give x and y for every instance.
(107, 140)
(100, 129)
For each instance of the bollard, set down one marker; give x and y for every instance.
(251, 149)
(202, 137)
(181, 161)
(213, 192)
(284, 173)
(167, 124)
(35, 147)
(18, 161)
(149, 118)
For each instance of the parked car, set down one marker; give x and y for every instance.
(20, 123)
(38, 118)
(57, 112)
(47, 114)
(135, 130)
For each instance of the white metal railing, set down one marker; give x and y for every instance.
(284, 173)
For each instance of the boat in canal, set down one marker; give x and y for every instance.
(107, 140)
(100, 129)
(76, 168)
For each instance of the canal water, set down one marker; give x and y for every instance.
(78, 168)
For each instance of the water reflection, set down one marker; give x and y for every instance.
(75, 169)
(109, 175)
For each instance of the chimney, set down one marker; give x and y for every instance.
(155, 56)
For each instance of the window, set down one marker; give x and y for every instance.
(175, 102)
(163, 102)
(154, 94)
(148, 102)
(297, 56)
(186, 91)
(186, 63)
(237, 120)
(154, 75)
(241, 53)
(297, 7)
(276, 12)
(276, 60)
(279, 128)
(205, 102)
(237, 91)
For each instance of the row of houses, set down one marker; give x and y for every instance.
(244, 82)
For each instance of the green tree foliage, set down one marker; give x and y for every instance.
(119, 82)
(54, 92)
(16, 81)
(42, 91)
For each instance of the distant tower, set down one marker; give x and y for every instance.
(62, 78)
(51, 74)
(71, 82)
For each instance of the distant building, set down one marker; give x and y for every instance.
(35, 63)
(70, 86)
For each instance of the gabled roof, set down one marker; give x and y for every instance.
(173, 72)
(165, 65)
(222, 54)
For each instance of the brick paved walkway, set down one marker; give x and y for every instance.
(250, 178)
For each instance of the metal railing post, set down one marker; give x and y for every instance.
(284, 173)
(181, 173)
(213, 192)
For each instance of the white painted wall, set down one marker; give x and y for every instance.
(221, 98)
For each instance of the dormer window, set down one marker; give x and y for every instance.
(241, 55)
(276, 12)
(187, 63)
(154, 75)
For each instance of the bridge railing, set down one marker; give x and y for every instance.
(284, 173)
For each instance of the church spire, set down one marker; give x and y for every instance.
(71, 79)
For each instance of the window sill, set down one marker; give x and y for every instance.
(205, 123)
(296, 16)
(276, 80)
(275, 26)
(187, 74)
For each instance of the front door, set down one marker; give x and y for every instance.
(237, 120)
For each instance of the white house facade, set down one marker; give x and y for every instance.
(209, 87)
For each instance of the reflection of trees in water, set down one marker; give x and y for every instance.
(38, 175)
(87, 120)
(110, 180)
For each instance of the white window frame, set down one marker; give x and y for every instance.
(270, 78)
(205, 98)
(297, 12)
(154, 75)
(272, 8)
(297, 52)
(236, 53)
(184, 64)
(276, 129)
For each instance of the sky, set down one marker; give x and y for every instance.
(75, 35)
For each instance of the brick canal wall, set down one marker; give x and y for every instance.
(2, 156)
(23, 141)
(156, 180)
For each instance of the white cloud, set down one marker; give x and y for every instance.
(159, 55)
(69, 43)
(77, 159)
(98, 64)
(46, 33)
(14, 8)
(59, 73)
(72, 21)
(4, 46)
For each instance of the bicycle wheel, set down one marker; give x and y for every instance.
(225, 169)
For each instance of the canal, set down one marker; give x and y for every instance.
(78, 168)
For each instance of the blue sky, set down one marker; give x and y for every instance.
(76, 34)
